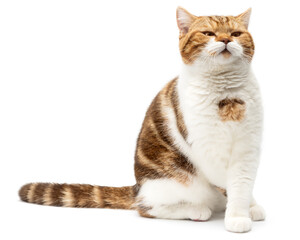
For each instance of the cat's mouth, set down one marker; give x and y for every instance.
(226, 53)
(223, 51)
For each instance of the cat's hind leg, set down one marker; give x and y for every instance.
(169, 199)
(177, 211)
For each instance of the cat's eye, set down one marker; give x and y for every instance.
(208, 33)
(236, 34)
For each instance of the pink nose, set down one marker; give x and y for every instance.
(225, 40)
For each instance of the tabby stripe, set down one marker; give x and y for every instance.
(179, 118)
(67, 198)
(56, 194)
(47, 195)
(157, 118)
(97, 197)
(38, 196)
(157, 134)
(82, 195)
(145, 161)
(30, 194)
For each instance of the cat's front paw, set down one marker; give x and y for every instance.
(238, 224)
(257, 213)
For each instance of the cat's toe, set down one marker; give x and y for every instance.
(200, 214)
(257, 213)
(238, 224)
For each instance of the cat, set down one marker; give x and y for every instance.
(199, 146)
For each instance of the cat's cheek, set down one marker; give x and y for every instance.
(247, 44)
(235, 48)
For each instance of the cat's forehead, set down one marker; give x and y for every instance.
(218, 23)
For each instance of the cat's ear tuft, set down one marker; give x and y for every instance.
(245, 17)
(184, 20)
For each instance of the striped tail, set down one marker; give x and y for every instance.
(78, 195)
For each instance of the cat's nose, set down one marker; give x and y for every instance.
(225, 40)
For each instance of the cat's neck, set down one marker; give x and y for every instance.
(215, 78)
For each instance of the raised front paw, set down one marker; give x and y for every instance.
(238, 224)
(257, 213)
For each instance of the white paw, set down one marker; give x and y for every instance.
(238, 224)
(257, 213)
(201, 213)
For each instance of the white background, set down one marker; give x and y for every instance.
(76, 78)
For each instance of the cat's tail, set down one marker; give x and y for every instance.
(79, 195)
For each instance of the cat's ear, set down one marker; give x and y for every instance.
(245, 17)
(184, 20)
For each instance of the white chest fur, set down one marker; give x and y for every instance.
(215, 144)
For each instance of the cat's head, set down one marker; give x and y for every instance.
(214, 39)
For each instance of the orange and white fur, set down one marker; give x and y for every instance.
(198, 150)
